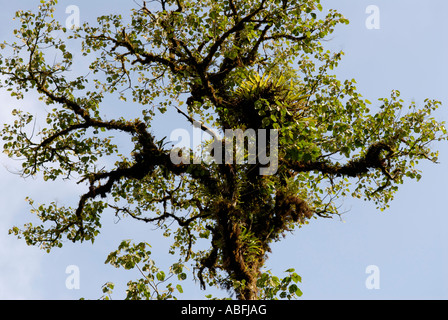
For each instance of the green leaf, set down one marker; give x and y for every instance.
(160, 276)
(293, 288)
(296, 278)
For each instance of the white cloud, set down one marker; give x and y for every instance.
(19, 268)
(19, 264)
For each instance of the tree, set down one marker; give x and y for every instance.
(251, 71)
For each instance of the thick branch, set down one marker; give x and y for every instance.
(371, 160)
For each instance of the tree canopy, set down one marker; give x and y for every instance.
(242, 67)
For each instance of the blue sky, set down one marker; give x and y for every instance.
(408, 242)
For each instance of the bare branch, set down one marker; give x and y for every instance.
(199, 124)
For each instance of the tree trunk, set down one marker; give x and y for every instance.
(250, 291)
